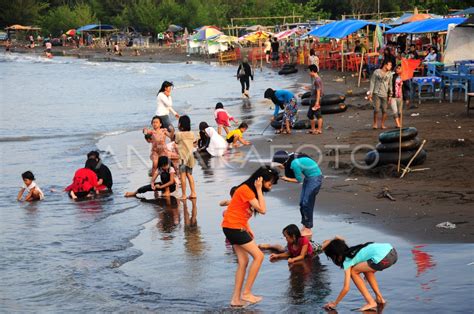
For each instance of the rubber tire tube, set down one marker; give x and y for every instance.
(287, 71)
(330, 109)
(386, 158)
(298, 125)
(412, 144)
(306, 95)
(394, 135)
(332, 99)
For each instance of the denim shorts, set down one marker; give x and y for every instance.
(185, 169)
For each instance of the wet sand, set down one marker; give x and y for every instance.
(444, 192)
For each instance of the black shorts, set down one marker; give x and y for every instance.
(314, 114)
(230, 140)
(390, 259)
(48, 50)
(237, 236)
(275, 56)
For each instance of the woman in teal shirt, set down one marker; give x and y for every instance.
(363, 258)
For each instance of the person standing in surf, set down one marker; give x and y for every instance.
(244, 73)
(165, 105)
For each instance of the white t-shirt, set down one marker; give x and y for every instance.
(164, 105)
(32, 186)
(314, 60)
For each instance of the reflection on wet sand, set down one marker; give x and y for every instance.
(308, 282)
(168, 214)
(192, 234)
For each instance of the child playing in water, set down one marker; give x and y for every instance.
(222, 118)
(167, 176)
(365, 258)
(85, 181)
(34, 193)
(297, 248)
(158, 143)
(235, 136)
(185, 142)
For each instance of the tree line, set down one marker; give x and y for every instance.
(154, 16)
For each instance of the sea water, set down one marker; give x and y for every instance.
(119, 254)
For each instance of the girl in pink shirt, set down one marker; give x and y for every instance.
(222, 118)
(297, 249)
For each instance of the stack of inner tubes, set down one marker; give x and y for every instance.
(288, 69)
(331, 103)
(387, 149)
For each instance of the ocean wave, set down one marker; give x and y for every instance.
(95, 135)
(31, 58)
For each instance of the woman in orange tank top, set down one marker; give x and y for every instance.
(247, 200)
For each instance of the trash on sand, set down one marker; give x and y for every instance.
(386, 193)
(269, 140)
(460, 140)
(446, 225)
(368, 213)
(459, 126)
(415, 114)
(330, 177)
(437, 122)
(351, 179)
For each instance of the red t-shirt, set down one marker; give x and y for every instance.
(238, 212)
(84, 180)
(295, 250)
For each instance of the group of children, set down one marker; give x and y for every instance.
(248, 200)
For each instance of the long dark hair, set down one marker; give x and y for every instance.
(337, 250)
(163, 86)
(267, 173)
(270, 94)
(294, 232)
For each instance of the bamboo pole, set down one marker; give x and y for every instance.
(400, 139)
(407, 168)
(360, 69)
(342, 55)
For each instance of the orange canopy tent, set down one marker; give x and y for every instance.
(18, 27)
(417, 17)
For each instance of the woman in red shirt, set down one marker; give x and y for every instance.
(247, 200)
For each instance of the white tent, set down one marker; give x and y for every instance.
(460, 44)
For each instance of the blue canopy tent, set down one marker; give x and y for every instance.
(342, 29)
(96, 28)
(426, 26)
(468, 11)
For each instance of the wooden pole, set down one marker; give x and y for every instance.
(413, 158)
(361, 66)
(342, 55)
(400, 139)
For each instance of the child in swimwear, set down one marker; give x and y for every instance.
(34, 192)
(222, 118)
(237, 135)
(184, 140)
(297, 248)
(365, 258)
(166, 186)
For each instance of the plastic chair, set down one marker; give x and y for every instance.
(469, 96)
(457, 82)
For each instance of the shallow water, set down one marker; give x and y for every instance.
(117, 254)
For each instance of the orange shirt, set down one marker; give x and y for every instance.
(238, 212)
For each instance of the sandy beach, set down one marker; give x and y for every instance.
(423, 199)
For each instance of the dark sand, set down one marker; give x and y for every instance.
(445, 192)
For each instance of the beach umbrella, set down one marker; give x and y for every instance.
(256, 36)
(174, 28)
(226, 39)
(71, 32)
(288, 33)
(255, 28)
(207, 33)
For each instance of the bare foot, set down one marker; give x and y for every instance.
(238, 304)
(374, 127)
(130, 194)
(383, 127)
(369, 307)
(264, 246)
(306, 232)
(182, 197)
(192, 196)
(251, 298)
(380, 300)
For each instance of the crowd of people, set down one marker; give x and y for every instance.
(173, 159)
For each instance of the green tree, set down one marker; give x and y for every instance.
(26, 12)
(62, 18)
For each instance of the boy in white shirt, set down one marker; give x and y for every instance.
(34, 193)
